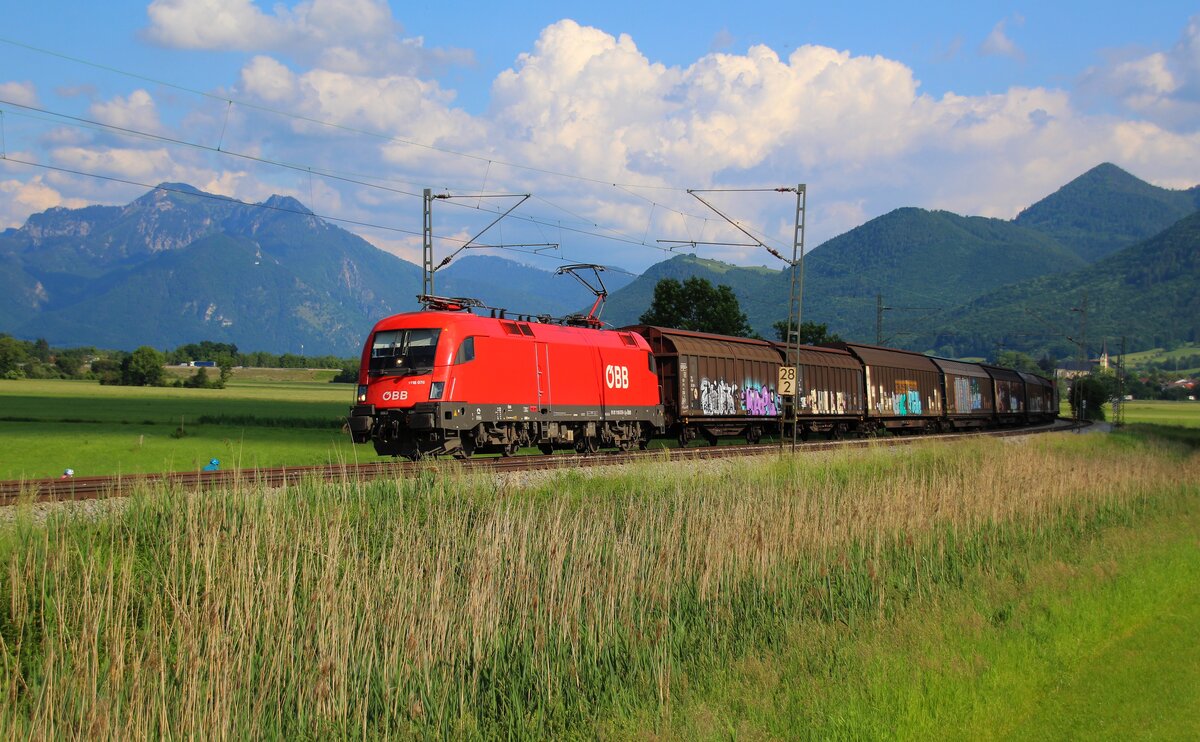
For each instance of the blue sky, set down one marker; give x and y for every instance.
(979, 108)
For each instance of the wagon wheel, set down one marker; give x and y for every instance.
(587, 444)
(546, 448)
(509, 449)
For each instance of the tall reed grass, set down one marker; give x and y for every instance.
(450, 605)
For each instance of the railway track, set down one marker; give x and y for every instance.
(88, 488)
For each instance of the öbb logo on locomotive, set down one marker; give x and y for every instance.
(478, 384)
(616, 377)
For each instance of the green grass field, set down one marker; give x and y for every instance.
(1156, 412)
(47, 426)
(1040, 588)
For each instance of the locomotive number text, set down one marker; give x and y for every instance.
(395, 396)
(616, 377)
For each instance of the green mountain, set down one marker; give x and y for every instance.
(757, 290)
(520, 288)
(919, 261)
(925, 265)
(253, 300)
(1106, 209)
(1149, 293)
(178, 266)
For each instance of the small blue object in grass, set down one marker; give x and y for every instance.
(213, 465)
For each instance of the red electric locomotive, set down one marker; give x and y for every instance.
(446, 380)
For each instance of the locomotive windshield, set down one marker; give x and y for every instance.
(403, 351)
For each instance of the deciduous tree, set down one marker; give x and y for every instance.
(696, 305)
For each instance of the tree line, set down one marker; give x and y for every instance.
(36, 359)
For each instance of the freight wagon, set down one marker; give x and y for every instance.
(969, 394)
(1041, 398)
(903, 389)
(1009, 389)
(830, 391)
(714, 386)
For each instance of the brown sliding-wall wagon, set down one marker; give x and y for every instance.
(970, 396)
(903, 389)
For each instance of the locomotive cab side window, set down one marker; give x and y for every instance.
(401, 352)
(466, 351)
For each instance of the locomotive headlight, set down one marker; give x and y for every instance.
(435, 389)
(362, 393)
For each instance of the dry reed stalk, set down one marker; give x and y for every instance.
(377, 606)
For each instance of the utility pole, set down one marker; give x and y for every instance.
(789, 382)
(1083, 330)
(427, 266)
(427, 235)
(1083, 357)
(879, 310)
(795, 315)
(1119, 403)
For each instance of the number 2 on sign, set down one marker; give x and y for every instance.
(787, 381)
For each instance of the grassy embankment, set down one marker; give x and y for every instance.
(47, 426)
(870, 593)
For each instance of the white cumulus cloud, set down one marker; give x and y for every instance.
(1162, 86)
(21, 93)
(353, 36)
(25, 197)
(135, 111)
(857, 128)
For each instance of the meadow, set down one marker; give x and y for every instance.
(262, 418)
(1158, 412)
(943, 589)
(1168, 358)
